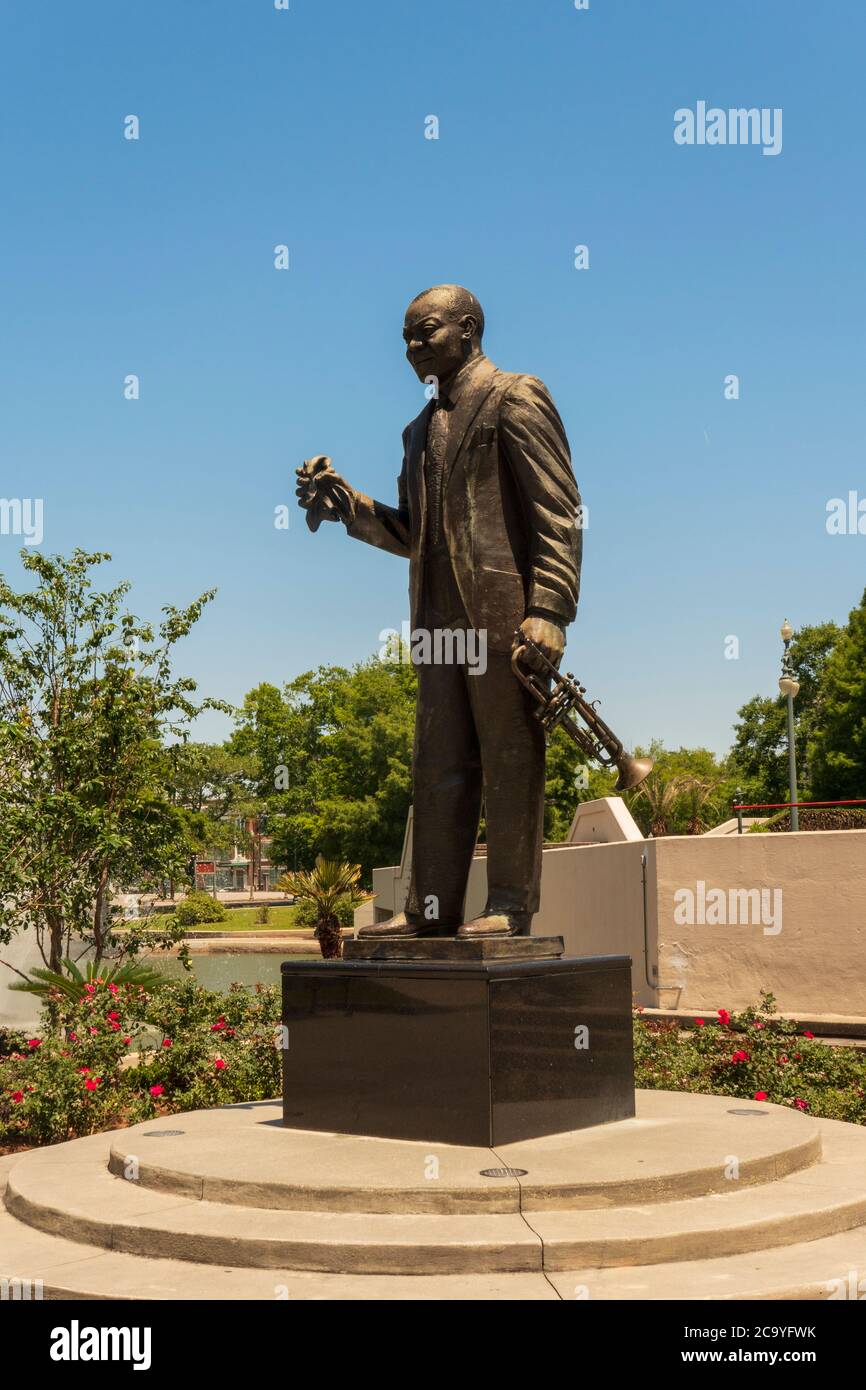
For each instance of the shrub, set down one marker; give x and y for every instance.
(196, 1049)
(752, 1055)
(307, 913)
(198, 907)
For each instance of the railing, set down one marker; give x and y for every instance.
(741, 806)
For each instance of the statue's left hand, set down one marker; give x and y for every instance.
(549, 636)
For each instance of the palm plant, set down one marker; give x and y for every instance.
(74, 985)
(327, 885)
(697, 795)
(661, 795)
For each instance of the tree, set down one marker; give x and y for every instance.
(688, 791)
(211, 787)
(837, 734)
(87, 699)
(329, 884)
(759, 757)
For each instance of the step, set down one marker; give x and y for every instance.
(800, 1272)
(68, 1191)
(820, 1201)
(69, 1270)
(676, 1146)
(83, 1202)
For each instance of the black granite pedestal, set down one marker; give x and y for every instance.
(482, 1052)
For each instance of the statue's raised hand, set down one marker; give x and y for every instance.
(323, 494)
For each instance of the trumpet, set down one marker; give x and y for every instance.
(557, 696)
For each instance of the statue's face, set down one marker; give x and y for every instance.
(436, 342)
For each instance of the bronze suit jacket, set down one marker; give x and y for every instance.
(510, 504)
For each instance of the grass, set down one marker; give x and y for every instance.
(243, 919)
(246, 919)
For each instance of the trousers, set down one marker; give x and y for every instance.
(475, 737)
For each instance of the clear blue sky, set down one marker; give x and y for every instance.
(306, 127)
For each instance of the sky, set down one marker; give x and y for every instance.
(305, 127)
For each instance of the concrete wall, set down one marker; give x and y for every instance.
(18, 1010)
(804, 940)
(815, 964)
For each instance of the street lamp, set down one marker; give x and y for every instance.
(790, 687)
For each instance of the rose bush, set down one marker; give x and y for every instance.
(754, 1056)
(121, 1054)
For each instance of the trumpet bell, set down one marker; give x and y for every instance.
(632, 771)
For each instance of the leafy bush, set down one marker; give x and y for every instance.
(120, 1054)
(198, 907)
(754, 1056)
(820, 818)
(307, 913)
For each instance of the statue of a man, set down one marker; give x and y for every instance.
(488, 516)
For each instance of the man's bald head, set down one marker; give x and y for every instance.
(457, 301)
(442, 330)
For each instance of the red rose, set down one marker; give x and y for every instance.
(724, 1017)
(700, 1022)
(92, 1084)
(34, 1043)
(17, 1097)
(807, 1034)
(219, 1064)
(801, 1104)
(760, 1095)
(166, 1042)
(157, 1090)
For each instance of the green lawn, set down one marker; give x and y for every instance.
(244, 919)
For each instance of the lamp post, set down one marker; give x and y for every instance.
(789, 688)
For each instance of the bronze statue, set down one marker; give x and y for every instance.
(488, 516)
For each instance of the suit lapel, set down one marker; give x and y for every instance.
(465, 410)
(415, 464)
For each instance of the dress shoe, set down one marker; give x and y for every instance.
(497, 924)
(400, 925)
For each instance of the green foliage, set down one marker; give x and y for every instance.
(819, 818)
(307, 913)
(195, 1049)
(197, 908)
(74, 984)
(837, 740)
(330, 887)
(334, 757)
(87, 700)
(750, 1055)
(212, 788)
(759, 758)
(688, 792)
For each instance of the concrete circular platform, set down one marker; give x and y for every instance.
(674, 1147)
(697, 1197)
